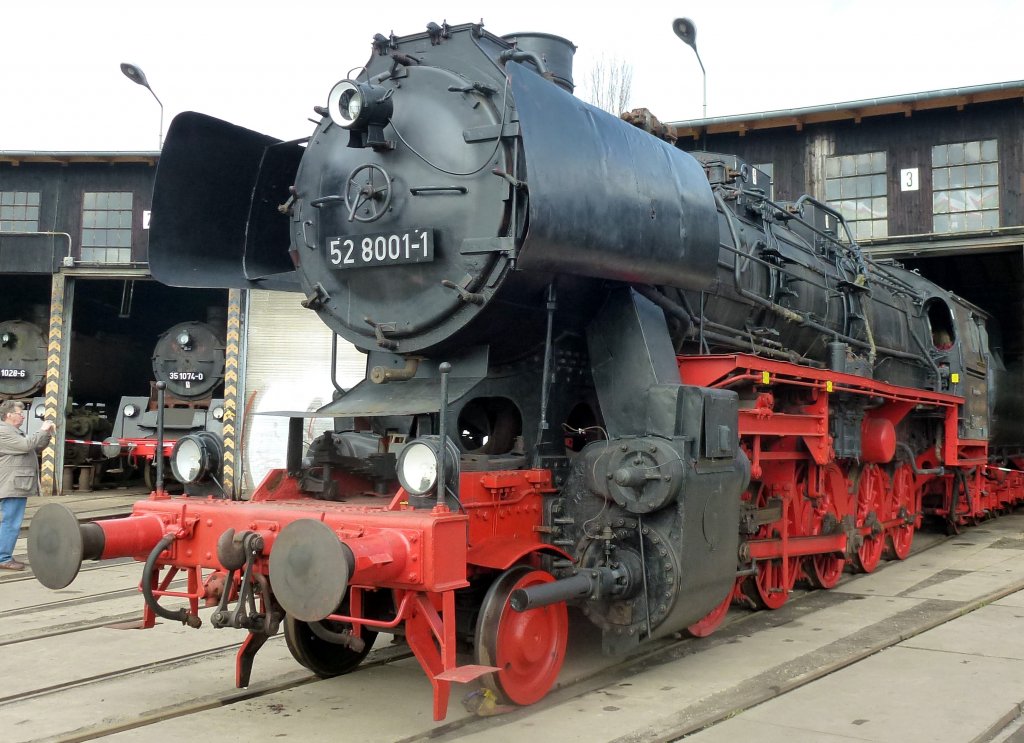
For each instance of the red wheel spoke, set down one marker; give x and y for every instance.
(869, 554)
(771, 587)
(825, 571)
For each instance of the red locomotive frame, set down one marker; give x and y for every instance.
(809, 515)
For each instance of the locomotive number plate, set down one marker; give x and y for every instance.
(186, 376)
(381, 249)
(13, 373)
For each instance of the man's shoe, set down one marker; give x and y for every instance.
(12, 565)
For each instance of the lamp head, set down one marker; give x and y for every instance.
(135, 74)
(684, 28)
(364, 109)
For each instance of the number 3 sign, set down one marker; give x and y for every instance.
(908, 179)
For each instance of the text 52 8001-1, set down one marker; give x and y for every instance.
(381, 249)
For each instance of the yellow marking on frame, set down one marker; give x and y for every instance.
(954, 378)
(828, 385)
(766, 378)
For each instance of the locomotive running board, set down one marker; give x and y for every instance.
(215, 220)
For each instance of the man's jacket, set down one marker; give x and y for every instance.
(19, 465)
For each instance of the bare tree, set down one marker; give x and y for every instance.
(608, 84)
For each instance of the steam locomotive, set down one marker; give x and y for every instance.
(601, 372)
(188, 359)
(23, 362)
(22, 359)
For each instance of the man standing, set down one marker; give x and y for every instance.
(19, 475)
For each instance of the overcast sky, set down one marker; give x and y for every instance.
(264, 65)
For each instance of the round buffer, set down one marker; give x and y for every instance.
(57, 544)
(309, 570)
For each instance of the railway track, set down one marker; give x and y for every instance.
(220, 657)
(29, 614)
(86, 630)
(173, 681)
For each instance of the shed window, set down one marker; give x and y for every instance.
(19, 211)
(107, 227)
(965, 186)
(856, 186)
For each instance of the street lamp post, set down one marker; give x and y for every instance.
(136, 75)
(686, 30)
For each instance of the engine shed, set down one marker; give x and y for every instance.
(74, 275)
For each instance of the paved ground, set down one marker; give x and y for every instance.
(938, 641)
(961, 681)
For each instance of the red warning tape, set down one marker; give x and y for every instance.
(99, 443)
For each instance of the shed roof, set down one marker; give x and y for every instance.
(856, 111)
(17, 157)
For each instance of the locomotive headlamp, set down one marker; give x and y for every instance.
(111, 447)
(362, 108)
(184, 339)
(218, 413)
(195, 457)
(350, 104)
(39, 411)
(6, 338)
(187, 460)
(417, 468)
(130, 410)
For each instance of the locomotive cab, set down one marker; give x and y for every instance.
(941, 324)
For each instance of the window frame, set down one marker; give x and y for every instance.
(857, 186)
(107, 230)
(19, 211)
(965, 186)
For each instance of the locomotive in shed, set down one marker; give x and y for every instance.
(188, 361)
(600, 372)
(22, 359)
(23, 364)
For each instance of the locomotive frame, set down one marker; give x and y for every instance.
(745, 400)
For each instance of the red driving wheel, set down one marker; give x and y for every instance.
(527, 647)
(904, 506)
(825, 570)
(871, 488)
(775, 579)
